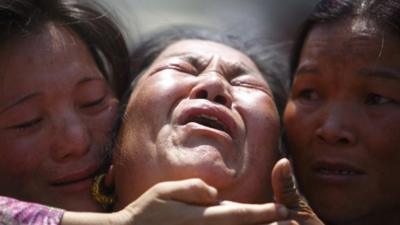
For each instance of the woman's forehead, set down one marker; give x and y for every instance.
(206, 49)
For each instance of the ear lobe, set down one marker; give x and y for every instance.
(109, 178)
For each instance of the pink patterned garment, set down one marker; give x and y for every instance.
(14, 212)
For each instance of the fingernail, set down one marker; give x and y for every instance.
(213, 193)
(282, 211)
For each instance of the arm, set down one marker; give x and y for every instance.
(182, 203)
(172, 203)
(13, 212)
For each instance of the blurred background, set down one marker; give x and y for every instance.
(270, 24)
(274, 19)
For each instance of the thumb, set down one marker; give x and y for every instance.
(190, 191)
(286, 193)
(285, 190)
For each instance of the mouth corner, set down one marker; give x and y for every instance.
(76, 177)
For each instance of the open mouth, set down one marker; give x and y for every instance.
(336, 169)
(337, 172)
(214, 118)
(208, 121)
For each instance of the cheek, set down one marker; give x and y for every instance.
(297, 127)
(157, 92)
(382, 138)
(22, 157)
(100, 125)
(162, 90)
(262, 123)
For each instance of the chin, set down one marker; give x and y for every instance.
(339, 211)
(215, 174)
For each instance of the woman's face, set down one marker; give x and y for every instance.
(55, 113)
(343, 121)
(202, 109)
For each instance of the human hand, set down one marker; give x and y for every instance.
(193, 202)
(286, 193)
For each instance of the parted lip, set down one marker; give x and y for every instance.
(75, 176)
(213, 113)
(336, 167)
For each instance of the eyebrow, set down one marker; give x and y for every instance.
(20, 101)
(36, 94)
(185, 55)
(229, 67)
(381, 73)
(192, 58)
(236, 68)
(307, 70)
(88, 79)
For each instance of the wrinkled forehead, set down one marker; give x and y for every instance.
(357, 35)
(207, 50)
(358, 28)
(203, 50)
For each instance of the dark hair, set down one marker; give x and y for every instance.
(386, 13)
(106, 43)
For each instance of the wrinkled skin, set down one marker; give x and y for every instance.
(343, 120)
(193, 78)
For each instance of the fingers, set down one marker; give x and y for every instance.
(230, 213)
(188, 202)
(176, 213)
(190, 191)
(285, 191)
(286, 222)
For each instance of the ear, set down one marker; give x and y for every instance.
(109, 178)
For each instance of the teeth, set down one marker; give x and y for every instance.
(209, 117)
(337, 172)
(209, 121)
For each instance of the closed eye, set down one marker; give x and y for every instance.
(250, 84)
(94, 103)
(26, 125)
(182, 68)
(250, 81)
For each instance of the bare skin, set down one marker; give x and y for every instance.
(342, 122)
(185, 202)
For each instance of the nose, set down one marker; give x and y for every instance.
(336, 128)
(212, 87)
(71, 139)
